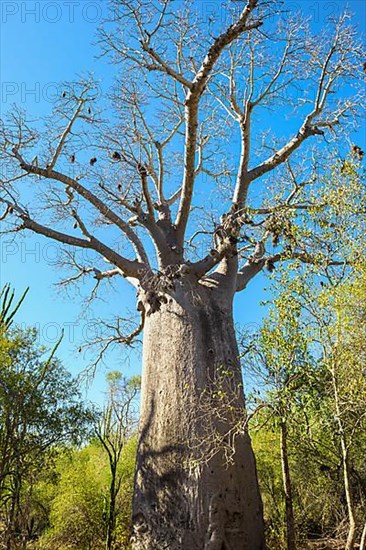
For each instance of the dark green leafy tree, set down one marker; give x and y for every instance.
(40, 410)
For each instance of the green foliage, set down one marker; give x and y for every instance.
(117, 424)
(41, 410)
(267, 452)
(76, 515)
(92, 495)
(309, 358)
(78, 510)
(53, 493)
(39, 399)
(6, 313)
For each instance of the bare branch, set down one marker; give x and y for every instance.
(191, 106)
(161, 65)
(91, 198)
(66, 132)
(284, 153)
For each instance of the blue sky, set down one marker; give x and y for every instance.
(43, 43)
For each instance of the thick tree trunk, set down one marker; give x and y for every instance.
(184, 498)
(286, 477)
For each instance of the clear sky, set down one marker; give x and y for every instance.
(42, 44)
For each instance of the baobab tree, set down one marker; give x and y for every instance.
(180, 187)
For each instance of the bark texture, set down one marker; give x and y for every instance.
(181, 501)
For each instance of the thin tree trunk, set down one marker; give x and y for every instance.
(287, 487)
(363, 538)
(112, 509)
(182, 501)
(12, 520)
(351, 538)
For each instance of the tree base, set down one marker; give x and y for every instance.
(189, 493)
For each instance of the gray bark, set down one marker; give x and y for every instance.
(181, 501)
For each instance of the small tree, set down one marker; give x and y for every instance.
(278, 357)
(77, 497)
(40, 409)
(118, 423)
(311, 360)
(339, 324)
(77, 504)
